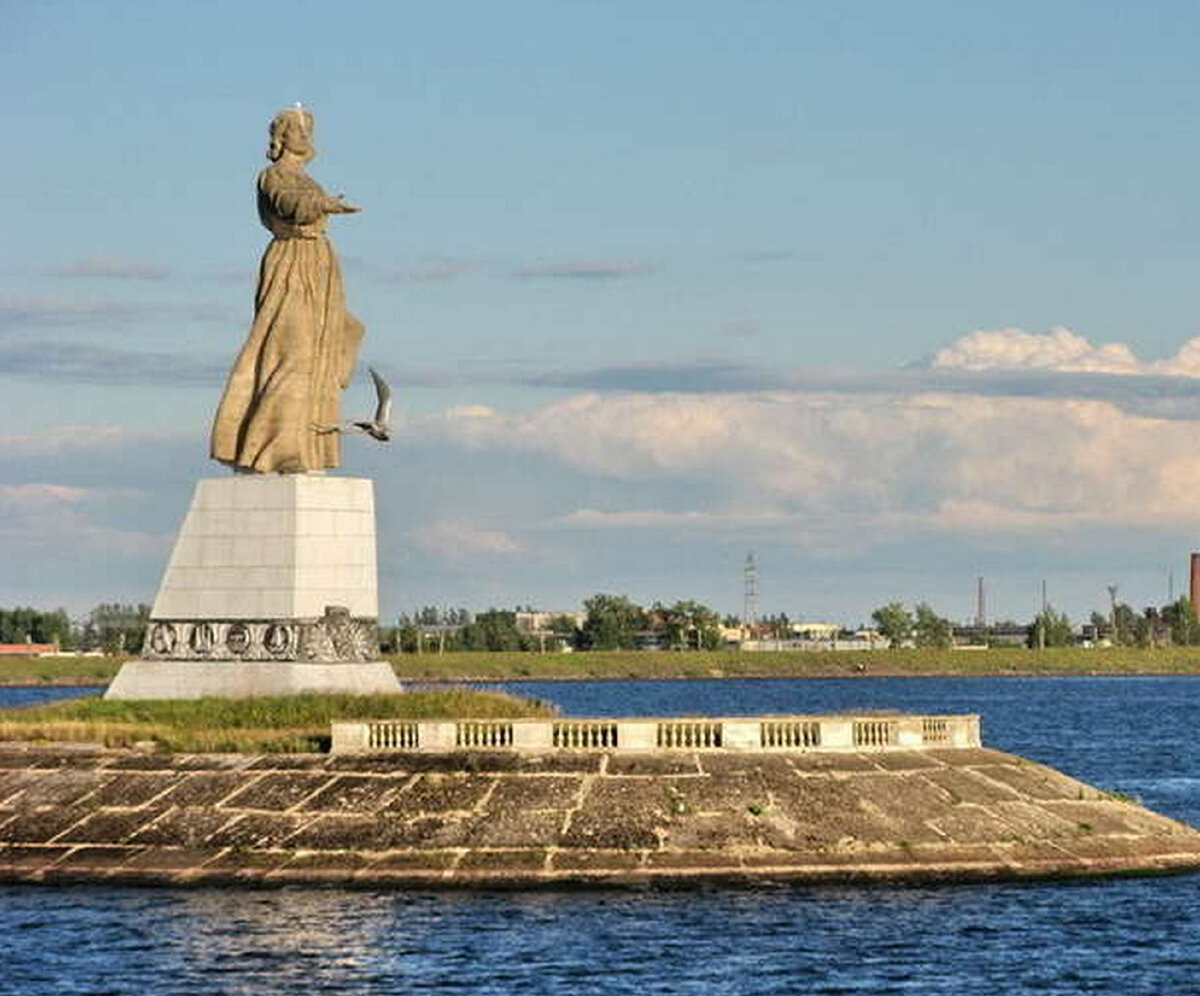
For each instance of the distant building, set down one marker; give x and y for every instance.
(731, 636)
(543, 622)
(821, 636)
(540, 625)
(816, 630)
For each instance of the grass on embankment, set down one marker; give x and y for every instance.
(58, 670)
(290, 724)
(798, 663)
(708, 664)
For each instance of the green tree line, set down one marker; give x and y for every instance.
(611, 622)
(1173, 624)
(110, 627)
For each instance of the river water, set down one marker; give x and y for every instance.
(1129, 936)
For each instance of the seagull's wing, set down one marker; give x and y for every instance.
(383, 408)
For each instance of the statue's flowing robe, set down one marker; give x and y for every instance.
(284, 393)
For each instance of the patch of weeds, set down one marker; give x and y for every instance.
(288, 724)
(1084, 827)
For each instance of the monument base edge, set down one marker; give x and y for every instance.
(140, 679)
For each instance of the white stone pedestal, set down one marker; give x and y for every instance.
(270, 590)
(226, 679)
(277, 546)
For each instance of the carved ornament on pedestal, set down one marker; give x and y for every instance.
(334, 637)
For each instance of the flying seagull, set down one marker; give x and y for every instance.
(379, 427)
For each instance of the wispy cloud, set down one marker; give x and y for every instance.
(43, 518)
(695, 375)
(999, 363)
(769, 256)
(459, 541)
(25, 497)
(65, 440)
(435, 272)
(740, 328)
(649, 518)
(17, 313)
(587, 270)
(108, 268)
(23, 313)
(74, 362)
(245, 275)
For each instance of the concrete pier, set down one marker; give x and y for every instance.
(534, 818)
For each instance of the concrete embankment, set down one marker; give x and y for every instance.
(421, 819)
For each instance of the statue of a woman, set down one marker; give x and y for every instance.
(286, 384)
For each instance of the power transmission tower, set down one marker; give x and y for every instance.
(750, 596)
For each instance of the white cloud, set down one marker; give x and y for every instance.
(449, 540)
(50, 518)
(65, 439)
(618, 487)
(951, 461)
(1012, 349)
(27, 497)
(1060, 350)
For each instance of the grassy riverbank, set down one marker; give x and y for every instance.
(272, 725)
(798, 664)
(58, 670)
(715, 664)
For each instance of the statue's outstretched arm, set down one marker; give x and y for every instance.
(338, 205)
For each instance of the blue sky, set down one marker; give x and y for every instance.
(894, 294)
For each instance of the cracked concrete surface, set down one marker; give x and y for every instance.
(526, 820)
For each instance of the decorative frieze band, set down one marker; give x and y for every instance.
(332, 638)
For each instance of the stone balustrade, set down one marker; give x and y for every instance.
(745, 733)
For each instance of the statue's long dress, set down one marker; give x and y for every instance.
(300, 354)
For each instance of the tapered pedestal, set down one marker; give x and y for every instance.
(270, 590)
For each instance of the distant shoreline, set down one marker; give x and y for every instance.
(74, 672)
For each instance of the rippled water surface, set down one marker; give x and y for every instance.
(1122, 936)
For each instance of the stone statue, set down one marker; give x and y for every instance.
(286, 384)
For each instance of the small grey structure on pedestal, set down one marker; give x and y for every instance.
(270, 590)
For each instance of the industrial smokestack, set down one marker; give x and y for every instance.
(1194, 586)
